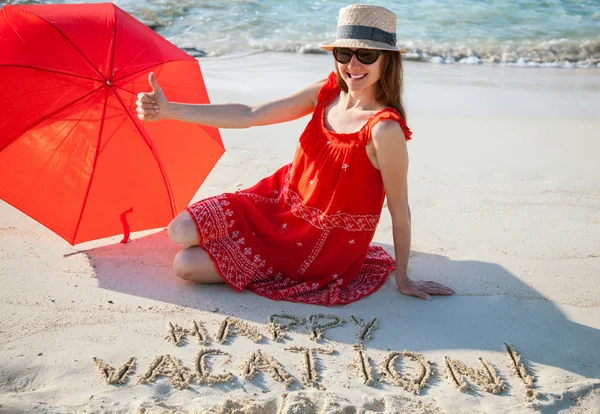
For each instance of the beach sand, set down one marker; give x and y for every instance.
(505, 201)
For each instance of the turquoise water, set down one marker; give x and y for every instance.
(508, 32)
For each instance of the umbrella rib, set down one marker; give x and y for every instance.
(113, 44)
(68, 40)
(87, 191)
(48, 116)
(133, 58)
(54, 71)
(160, 166)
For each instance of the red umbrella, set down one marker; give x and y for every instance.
(73, 154)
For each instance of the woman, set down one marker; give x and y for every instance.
(303, 234)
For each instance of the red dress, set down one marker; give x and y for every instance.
(303, 233)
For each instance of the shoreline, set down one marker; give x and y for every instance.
(422, 57)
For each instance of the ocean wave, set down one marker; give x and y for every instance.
(553, 54)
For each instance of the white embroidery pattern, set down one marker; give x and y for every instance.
(323, 221)
(297, 290)
(377, 266)
(316, 217)
(351, 241)
(345, 167)
(263, 199)
(235, 265)
(314, 253)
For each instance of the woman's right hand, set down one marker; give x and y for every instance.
(152, 106)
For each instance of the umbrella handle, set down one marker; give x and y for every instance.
(125, 225)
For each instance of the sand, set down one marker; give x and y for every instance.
(505, 202)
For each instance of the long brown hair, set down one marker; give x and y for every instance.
(389, 86)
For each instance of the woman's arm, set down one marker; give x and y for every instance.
(392, 157)
(154, 106)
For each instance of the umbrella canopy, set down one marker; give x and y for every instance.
(73, 154)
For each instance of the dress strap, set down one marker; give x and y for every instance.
(386, 113)
(329, 89)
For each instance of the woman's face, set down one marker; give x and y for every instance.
(359, 76)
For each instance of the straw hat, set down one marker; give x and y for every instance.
(365, 26)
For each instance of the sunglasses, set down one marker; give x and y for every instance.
(364, 56)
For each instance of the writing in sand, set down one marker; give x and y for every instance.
(462, 376)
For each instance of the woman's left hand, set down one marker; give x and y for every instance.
(423, 289)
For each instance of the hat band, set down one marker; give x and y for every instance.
(366, 33)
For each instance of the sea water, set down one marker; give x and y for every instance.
(554, 33)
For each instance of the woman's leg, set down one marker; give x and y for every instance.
(191, 263)
(182, 230)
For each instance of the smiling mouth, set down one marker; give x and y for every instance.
(356, 77)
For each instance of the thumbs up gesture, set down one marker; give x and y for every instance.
(152, 106)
